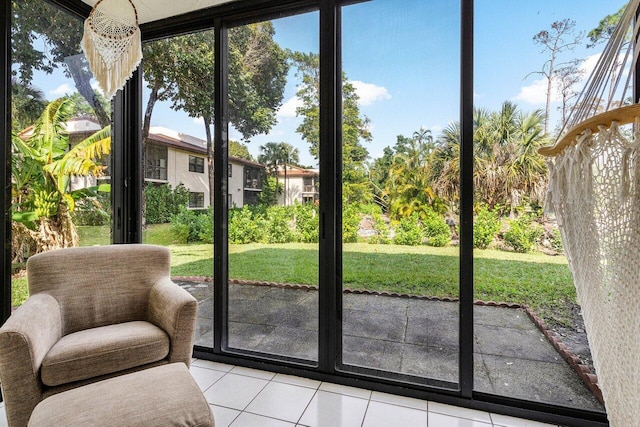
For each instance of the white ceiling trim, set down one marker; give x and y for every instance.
(153, 10)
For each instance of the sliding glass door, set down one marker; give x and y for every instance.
(400, 94)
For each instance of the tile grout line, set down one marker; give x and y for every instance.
(307, 407)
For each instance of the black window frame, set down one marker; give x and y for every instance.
(127, 178)
(196, 200)
(196, 164)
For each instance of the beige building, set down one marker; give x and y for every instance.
(298, 184)
(176, 158)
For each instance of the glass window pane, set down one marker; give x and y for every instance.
(400, 260)
(178, 163)
(51, 79)
(273, 222)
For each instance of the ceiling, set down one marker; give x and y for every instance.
(152, 10)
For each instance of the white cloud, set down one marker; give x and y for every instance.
(61, 90)
(435, 129)
(197, 120)
(288, 109)
(95, 86)
(369, 92)
(589, 64)
(535, 93)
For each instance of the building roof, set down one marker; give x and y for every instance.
(297, 171)
(158, 135)
(169, 137)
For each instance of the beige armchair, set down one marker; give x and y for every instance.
(93, 313)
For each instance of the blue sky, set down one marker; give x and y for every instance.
(403, 58)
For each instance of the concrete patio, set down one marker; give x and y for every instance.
(411, 336)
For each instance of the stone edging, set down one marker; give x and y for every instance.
(578, 366)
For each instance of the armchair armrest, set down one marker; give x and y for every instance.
(25, 339)
(174, 310)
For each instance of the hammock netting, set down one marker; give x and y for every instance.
(594, 191)
(112, 43)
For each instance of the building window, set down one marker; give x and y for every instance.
(230, 167)
(156, 163)
(252, 178)
(196, 200)
(196, 164)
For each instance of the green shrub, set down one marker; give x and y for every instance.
(307, 224)
(93, 210)
(485, 228)
(204, 226)
(382, 230)
(435, 229)
(199, 226)
(163, 202)
(246, 225)
(522, 234)
(350, 223)
(278, 228)
(408, 231)
(179, 233)
(556, 240)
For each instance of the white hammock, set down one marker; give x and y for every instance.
(112, 43)
(594, 190)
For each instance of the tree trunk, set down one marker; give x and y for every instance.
(146, 125)
(207, 128)
(82, 80)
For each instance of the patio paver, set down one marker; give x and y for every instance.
(411, 336)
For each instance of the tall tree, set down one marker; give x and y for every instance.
(272, 157)
(409, 186)
(605, 27)
(567, 77)
(60, 35)
(355, 126)
(181, 70)
(239, 150)
(560, 38)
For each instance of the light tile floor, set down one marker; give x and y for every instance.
(242, 397)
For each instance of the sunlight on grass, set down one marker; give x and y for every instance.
(541, 281)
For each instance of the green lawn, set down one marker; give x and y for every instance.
(541, 281)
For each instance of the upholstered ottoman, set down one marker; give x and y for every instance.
(166, 395)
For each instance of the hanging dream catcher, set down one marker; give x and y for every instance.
(112, 43)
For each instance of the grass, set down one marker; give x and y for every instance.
(541, 281)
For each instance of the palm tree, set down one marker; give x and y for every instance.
(271, 156)
(276, 154)
(507, 166)
(42, 169)
(409, 185)
(27, 103)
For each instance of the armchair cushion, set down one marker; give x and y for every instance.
(104, 350)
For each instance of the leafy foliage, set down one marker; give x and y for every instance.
(408, 231)
(60, 34)
(355, 127)
(436, 231)
(163, 202)
(350, 223)
(42, 167)
(485, 227)
(246, 226)
(278, 228)
(189, 226)
(522, 234)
